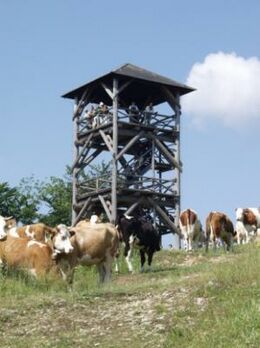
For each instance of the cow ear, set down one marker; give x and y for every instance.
(52, 231)
(72, 231)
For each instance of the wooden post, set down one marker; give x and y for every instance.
(178, 158)
(75, 156)
(114, 160)
(174, 102)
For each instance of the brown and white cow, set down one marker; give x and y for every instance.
(24, 253)
(247, 224)
(37, 257)
(93, 244)
(219, 228)
(191, 229)
(39, 232)
(6, 223)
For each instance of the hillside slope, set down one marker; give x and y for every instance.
(189, 300)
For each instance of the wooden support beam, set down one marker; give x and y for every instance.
(124, 86)
(76, 161)
(84, 207)
(163, 215)
(174, 102)
(90, 158)
(129, 144)
(106, 140)
(77, 108)
(115, 149)
(166, 153)
(107, 211)
(108, 90)
(171, 98)
(132, 207)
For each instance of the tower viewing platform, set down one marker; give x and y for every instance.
(118, 118)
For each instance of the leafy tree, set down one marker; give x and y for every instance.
(29, 200)
(56, 198)
(9, 200)
(17, 203)
(48, 201)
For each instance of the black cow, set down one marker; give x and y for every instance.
(139, 233)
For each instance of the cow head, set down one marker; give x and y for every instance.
(240, 214)
(61, 240)
(94, 219)
(246, 216)
(5, 225)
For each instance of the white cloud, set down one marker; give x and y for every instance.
(228, 90)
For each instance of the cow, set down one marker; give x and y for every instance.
(24, 253)
(94, 219)
(37, 257)
(136, 232)
(6, 223)
(219, 227)
(247, 223)
(191, 229)
(39, 232)
(93, 244)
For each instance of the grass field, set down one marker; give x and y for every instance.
(188, 300)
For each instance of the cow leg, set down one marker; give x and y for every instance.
(142, 255)
(69, 275)
(117, 263)
(128, 256)
(246, 237)
(214, 241)
(207, 243)
(150, 259)
(107, 268)
(185, 242)
(229, 243)
(101, 272)
(189, 244)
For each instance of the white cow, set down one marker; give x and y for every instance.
(247, 224)
(191, 229)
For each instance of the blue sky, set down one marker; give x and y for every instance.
(49, 47)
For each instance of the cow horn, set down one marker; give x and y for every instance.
(8, 218)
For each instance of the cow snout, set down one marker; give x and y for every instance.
(3, 236)
(68, 249)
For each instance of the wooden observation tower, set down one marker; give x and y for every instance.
(144, 151)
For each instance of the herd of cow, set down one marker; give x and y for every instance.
(42, 249)
(219, 228)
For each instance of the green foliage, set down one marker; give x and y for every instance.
(56, 195)
(28, 192)
(49, 201)
(19, 202)
(9, 200)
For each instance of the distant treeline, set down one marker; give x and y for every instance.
(48, 201)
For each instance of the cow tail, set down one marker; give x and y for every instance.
(119, 233)
(211, 236)
(188, 222)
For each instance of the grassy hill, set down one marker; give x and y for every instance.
(188, 300)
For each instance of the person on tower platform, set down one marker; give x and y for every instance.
(148, 112)
(134, 113)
